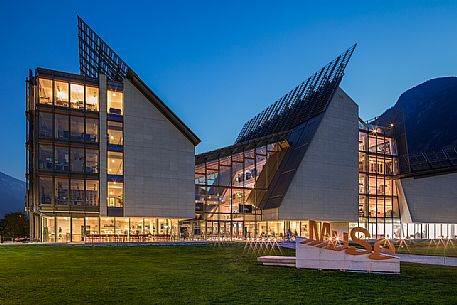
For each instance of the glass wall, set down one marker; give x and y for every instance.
(229, 188)
(45, 186)
(115, 194)
(70, 136)
(91, 98)
(115, 102)
(378, 198)
(45, 157)
(62, 127)
(92, 165)
(61, 93)
(77, 96)
(45, 91)
(48, 229)
(92, 193)
(115, 163)
(115, 135)
(77, 128)
(45, 123)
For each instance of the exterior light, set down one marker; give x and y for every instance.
(392, 125)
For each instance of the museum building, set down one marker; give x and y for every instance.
(107, 160)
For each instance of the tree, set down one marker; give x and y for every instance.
(14, 225)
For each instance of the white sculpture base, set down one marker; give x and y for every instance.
(320, 258)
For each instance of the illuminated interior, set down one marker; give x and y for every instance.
(115, 194)
(115, 134)
(115, 163)
(77, 96)
(92, 98)
(115, 102)
(61, 93)
(45, 91)
(378, 197)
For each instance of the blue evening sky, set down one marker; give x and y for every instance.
(217, 63)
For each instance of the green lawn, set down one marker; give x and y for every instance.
(426, 248)
(202, 274)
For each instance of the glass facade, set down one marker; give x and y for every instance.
(66, 140)
(115, 149)
(229, 183)
(378, 169)
(229, 188)
(109, 229)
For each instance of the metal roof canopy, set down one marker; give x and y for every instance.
(299, 105)
(96, 57)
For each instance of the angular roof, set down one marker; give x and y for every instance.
(96, 57)
(294, 119)
(302, 103)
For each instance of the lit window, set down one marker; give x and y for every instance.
(91, 98)
(115, 194)
(45, 88)
(115, 102)
(115, 136)
(77, 96)
(61, 94)
(115, 164)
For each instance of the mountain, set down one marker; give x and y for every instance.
(429, 113)
(12, 194)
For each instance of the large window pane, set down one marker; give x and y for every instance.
(115, 102)
(45, 159)
(62, 159)
(77, 128)
(61, 92)
(91, 193)
(91, 98)
(115, 194)
(45, 124)
(115, 133)
(48, 229)
(92, 225)
(91, 161)
(63, 229)
(77, 96)
(77, 192)
(115, 163)
(77, 160)
(45, 185)
(77, 229)
(62, 127)
(61, 191)
(91, 130)
(45, 88)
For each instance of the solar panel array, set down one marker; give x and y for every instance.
(305, 101)
(96, 57)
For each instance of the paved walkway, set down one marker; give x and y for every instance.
(428, 259)
(410, 258)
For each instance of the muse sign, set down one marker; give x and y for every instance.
(324, 250)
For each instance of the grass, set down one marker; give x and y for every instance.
(201, 274)
(425, 248)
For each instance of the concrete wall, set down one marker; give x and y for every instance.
(325, 186)
(431, 199)
(158, 162)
